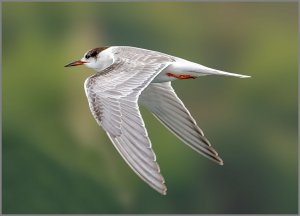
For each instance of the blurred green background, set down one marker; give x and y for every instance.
(57, 160)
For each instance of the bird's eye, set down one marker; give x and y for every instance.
(87, 56)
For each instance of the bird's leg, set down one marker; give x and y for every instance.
(182, 76)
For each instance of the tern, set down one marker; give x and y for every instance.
(126, 76)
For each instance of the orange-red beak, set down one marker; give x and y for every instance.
(75, 63)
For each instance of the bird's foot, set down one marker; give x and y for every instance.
(181, 76)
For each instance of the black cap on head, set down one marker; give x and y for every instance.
(94, 52)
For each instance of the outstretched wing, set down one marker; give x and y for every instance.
(162, 101)
(113, 94)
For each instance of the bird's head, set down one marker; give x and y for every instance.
(91, 59)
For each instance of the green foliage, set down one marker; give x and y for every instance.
(57, 160)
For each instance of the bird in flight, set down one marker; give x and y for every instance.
(126, 76)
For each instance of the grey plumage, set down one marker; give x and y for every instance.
(128, 75)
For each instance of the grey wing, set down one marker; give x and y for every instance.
(135, 148)
(162, 101)
(113, 96)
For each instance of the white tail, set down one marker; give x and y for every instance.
(194, 69)
(217, 72)
(210, 71)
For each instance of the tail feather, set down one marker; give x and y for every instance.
(210, 71)
(217, 72)
(182, 66)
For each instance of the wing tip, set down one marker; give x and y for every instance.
(218, 160)
(215, 157)
(161, 189)
(164, 190)
(221, 162)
